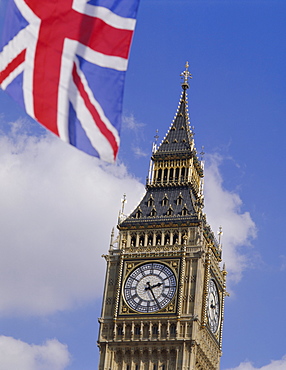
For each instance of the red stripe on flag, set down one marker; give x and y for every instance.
(12, 65)
(100, 124)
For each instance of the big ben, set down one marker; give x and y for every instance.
(163, 301)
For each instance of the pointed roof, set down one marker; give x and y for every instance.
(179, 138)
(177, 201)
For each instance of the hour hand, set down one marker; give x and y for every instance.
(156, 285)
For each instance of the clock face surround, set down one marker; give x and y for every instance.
(213, 306)
(150, 287)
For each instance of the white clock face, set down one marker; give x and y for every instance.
(150, 287)
(213, 306)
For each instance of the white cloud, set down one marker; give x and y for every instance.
(274, 365)
(134, 134)
(223, 208)
(139, 152)
(129, 122)
(15, 354)
(58, 207)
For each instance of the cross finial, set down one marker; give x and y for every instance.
(156, 137)
(186, 75)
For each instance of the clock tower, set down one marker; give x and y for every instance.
(164, 291)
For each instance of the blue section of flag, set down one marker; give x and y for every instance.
(107, 87)
(14, 23)
(13, 90)
(125, 8)
(78, 136)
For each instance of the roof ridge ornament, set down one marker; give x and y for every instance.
(186, 76)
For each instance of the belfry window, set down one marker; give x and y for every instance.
(165, 174)
(159, 178)
(177, 174)
(183, 173)
(171, 174)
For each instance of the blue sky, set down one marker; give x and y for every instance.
(59, 205)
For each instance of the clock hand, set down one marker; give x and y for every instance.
(212, 305)
(156, 285)
(149, 287)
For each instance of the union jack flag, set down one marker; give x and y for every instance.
(64, 61)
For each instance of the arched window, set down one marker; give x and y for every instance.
(177, 174)
(165, 174)
(141, 240)
(133, 240)
(170, 211)
(119, 330)
(159, 178)
(158, 239)
(165, 200)
(179, 199)
(153, 212)
(171, 175)
(155, 330)
(185, 211)
(138, 213)
(167, 238)
(183, 174)
(175, 238)
(150, 202)
(172, 329)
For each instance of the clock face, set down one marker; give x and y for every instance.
(150, 287)
(213, 307)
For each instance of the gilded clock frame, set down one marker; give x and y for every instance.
(129, 265)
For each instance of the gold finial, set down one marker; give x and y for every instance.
(220, 233)
(123, 201)
(186, 75)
